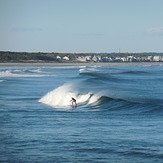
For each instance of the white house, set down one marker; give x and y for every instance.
(58, 57)
(161, 58)
(66, 58)
(156, 58)
(81, 59)
(94, 59)
(129, 58)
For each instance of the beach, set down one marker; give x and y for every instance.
(78, 64)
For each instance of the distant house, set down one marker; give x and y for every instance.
(58, 57)
(106, 59)
(124, 59)
(66, 58)
(84, 58)
(161, 58)
(129, 58)
(118, 59)
(149, 58)
(81, 59)
(99, 58)
(156, 58)
(88, 58)
(94, 59)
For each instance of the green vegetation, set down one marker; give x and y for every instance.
(25, 57)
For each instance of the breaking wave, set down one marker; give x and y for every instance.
(22, 73)
(61, 97)
(2, 80)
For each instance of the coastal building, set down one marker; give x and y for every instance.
(88, 58)
(58, 57)
(106, 59)
(149, 58)
(129, 58)
(84, 58)
(94, 59)
(161, 58)
(66, 58)
(81, 59)
(124, 59)
(156, 58)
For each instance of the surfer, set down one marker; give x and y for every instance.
(73, 101)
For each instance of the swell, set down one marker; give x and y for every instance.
(132, 72)
(99, 76)
(61, 98)
(107, 90)
(126, 106)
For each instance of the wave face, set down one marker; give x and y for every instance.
(113, 89)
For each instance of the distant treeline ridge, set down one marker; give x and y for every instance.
(7, 56)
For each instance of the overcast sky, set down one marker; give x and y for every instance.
(81, 25)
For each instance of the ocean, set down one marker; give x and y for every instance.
(118, 117)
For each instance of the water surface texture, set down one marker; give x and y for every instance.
(118, 118)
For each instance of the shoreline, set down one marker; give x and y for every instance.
(79, 64)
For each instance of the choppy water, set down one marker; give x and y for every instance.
(118, 118)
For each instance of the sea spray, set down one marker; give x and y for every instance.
(61, 96)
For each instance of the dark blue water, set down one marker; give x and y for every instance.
(118, 118)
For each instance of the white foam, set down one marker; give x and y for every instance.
(36, 71)
(87, 70)
(82, 70)
(9, 73)
(61, 97)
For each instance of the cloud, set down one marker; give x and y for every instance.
(28, 29)
(157, 30)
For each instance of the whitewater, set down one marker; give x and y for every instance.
(118, 117)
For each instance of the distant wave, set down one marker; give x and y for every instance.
(2, 80)
(98, 75)
(21, 73)
(135, 72)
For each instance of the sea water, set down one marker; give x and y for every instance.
(118, 118)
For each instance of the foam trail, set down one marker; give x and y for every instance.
(2, 80)
(9, 73)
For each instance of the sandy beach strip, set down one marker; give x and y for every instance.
(80, 64)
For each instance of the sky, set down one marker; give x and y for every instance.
(81, 26)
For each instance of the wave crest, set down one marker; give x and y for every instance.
(103, 100)
(21, 73)
(61, 97)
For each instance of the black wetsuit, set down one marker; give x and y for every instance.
(73, 101)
